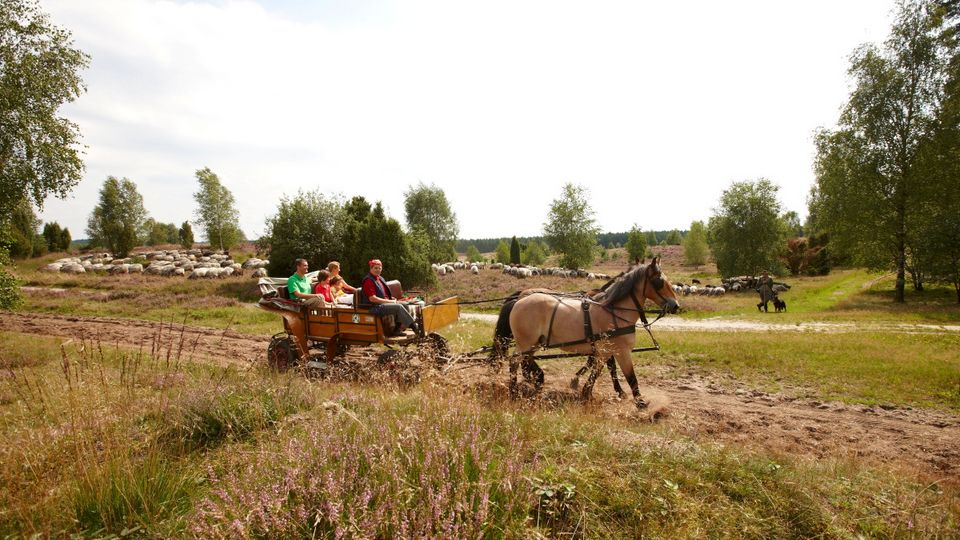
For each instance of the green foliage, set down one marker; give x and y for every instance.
(534, 253)
(52, 236)
(310, 226)
(65, 239)
(636, 244)
(370, 234)
(503, 252)
(118, 220)
(869, 190)
(185, 235)
(473, 254)
(39, 72)
(161, 233)
(570, 229)
(216, 214)
(428, 213)
(514, 251)
(746, 234)
(322, 230)
(695, 245)
(9, 285)
(652, 238)
(674, 238)
(22, 240)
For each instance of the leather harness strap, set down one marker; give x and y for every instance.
(590, 338)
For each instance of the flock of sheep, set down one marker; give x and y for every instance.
(514, 270)
(193, 263)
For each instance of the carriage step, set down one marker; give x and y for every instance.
(402, 337)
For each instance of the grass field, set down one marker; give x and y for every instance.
(110, 442)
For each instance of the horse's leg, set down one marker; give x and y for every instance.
(575, 381)
(595, 368)
(532, 371)
(612, 366)
(514, 364)
(626, 366)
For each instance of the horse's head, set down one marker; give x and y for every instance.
(657, 289)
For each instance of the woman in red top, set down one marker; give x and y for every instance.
(323, 286)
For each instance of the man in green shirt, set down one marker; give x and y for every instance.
(299, 286)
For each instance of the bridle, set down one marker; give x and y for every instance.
(657, 283)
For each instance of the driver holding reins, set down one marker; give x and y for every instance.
(374, 290)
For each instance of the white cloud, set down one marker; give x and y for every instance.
(655, 110)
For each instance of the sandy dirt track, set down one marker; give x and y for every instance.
(924, 441)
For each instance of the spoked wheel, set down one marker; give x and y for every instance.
(392, 358)
(335, 348)
(437, 344)
(280, 353)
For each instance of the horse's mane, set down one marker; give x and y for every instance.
(622, 286)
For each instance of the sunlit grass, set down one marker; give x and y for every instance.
(920, 370)
(100, 441)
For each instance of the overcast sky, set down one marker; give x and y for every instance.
(654, 109)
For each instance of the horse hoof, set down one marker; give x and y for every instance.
(640, 403)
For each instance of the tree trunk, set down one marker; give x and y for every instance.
(901, 253)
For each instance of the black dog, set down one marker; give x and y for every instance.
(779, 305)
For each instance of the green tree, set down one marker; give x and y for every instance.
(570, 228)
(674, 238)
(473, 254)
(636, 244)
(39, 72)
(51, 235)
(161, 233)
(22, 239)
(65, 239)
(372, 234)
(216, 212)
(503, 252)
(534, 253)
(514, 251)
(118, 220)
(428, 212)
(309, 225)
(939, 164)
(695, 245)
(185, 235)
(9, 284)
(792, 221)
(867, 192)
(746, 233)
(651, 238)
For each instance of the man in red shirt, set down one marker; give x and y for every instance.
(374, 291)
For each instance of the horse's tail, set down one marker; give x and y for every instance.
(503, 334)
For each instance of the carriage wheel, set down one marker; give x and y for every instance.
(336, 348)
(438, 345)
(280, 353)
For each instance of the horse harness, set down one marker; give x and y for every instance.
(591, 337)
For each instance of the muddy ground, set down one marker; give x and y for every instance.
(922, 441)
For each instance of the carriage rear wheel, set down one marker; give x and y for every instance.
(280, 353)
(335, 347)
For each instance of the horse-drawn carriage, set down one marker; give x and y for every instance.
(333, 328)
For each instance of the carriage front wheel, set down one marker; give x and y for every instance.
(439, 346)
(281, 354)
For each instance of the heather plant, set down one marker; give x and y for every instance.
(447, 471)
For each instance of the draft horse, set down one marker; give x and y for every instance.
(598, 327)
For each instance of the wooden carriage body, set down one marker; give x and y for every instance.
(332, 327)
